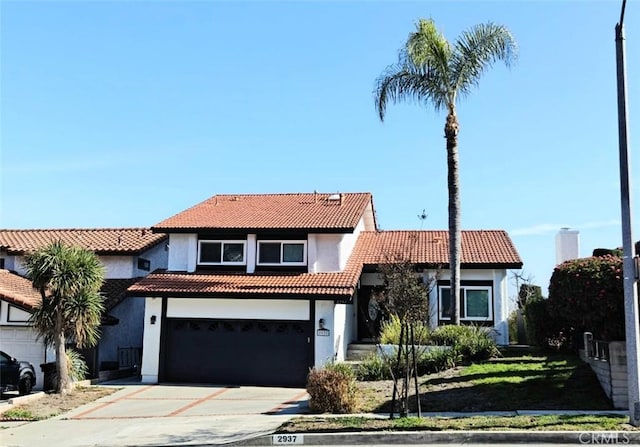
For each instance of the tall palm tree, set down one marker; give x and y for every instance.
(433, 72)
(69, 279)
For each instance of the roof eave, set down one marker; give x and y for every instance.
(251, 230)
(342, 296)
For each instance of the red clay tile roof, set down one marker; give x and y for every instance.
(271, 211)
(479, 248)
(114, 291)
(101, 241)
(18, 290)
(300, 285)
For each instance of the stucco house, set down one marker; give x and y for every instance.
(126, 254)
(259, 288)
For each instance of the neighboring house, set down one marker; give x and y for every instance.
(126, 254)
(17, 299)
(259, 288)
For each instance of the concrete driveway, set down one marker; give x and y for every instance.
(165, 415)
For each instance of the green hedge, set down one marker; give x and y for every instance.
(587, 295)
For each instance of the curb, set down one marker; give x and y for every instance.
(448, 437)
(20, 400)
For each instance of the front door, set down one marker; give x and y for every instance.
(369, 315)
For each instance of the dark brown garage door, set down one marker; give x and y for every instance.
(238, 352)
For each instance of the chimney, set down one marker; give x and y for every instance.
(567, 245)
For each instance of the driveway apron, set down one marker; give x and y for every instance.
(165, 415)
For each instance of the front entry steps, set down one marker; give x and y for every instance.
(358, 351)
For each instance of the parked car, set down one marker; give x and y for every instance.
(16, 375)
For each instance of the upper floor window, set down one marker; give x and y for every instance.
(282, 253)
(144, 264)
(221, 252)
(475, 303)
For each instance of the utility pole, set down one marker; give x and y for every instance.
(632, 332)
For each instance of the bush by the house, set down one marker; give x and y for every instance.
(390, 332)
(587, 294)
(437, 359)
(473, 343)
(373, 367)
(332, 389)
(378, 367)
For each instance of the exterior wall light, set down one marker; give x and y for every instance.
(153, 319)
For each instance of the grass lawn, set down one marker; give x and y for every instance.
(556, 382)
(585, 423)
(530, 382)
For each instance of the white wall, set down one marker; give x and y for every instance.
(327, 255)
(151, 346)
(343, 334)
(324, 349)
(117, 267)
(501, 309)
(183, 252)
(158, 256)
(348, 242)
(238, 309)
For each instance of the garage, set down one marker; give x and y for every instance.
(21, 342)
(237, 352)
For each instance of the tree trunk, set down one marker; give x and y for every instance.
(396, 376)
(415, 370)
(455, 235)
(63, 384)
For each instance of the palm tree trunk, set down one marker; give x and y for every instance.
(63, 384)
(455, 235)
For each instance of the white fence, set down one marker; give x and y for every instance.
(609, 361)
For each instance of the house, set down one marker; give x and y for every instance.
(126, 254)
(259, 288)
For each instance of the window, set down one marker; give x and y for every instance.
(282, 253)
(144, 264)
(221, 252)
(475, 303)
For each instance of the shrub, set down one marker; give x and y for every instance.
(390, 332)
(513, 326)
(437, 359)
(78, 368)
(332, 389)
(471, 342)
(543, 329)
(373, 367)
(587, 295)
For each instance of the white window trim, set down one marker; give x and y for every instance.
(282, 242)
(489, 289)
(222, 242)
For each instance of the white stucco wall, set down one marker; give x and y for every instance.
(117, 267)
(158, 256)
(151, 350)
(501, 309)
(348, 242)
(238, 309)
(327, 255)
(324, 348)
(251, 253)
(183, 252)
(343, 334)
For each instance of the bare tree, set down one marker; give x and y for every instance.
(406, 296)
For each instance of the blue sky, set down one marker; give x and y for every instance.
(118, 114)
